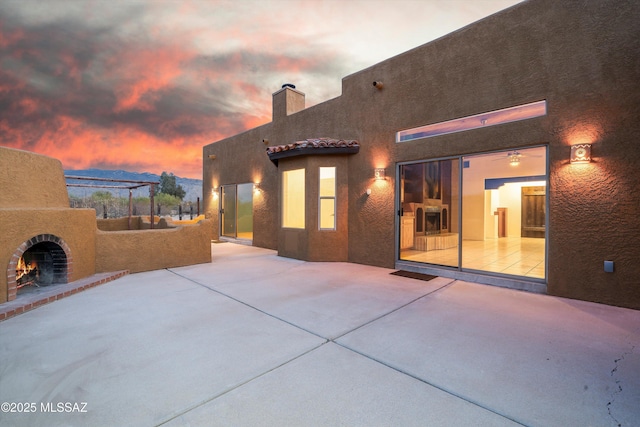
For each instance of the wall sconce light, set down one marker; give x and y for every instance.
(214, 193)
(368, 192)
(378, 173)
(256, 187)
(212, 156)
(581, 153)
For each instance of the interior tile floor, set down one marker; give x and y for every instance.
(519, 256)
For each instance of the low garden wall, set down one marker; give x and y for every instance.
(145, 250)
(137, 223)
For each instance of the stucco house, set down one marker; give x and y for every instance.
(505, 153)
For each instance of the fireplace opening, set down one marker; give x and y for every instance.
(43, 264)
(432, 219)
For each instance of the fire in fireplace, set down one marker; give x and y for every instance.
(43, 264)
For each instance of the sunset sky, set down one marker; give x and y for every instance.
(143, 85)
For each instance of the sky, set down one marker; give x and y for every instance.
(143, 85)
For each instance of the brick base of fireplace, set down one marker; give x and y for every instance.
(46, 295)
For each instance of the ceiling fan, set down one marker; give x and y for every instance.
(513, 157)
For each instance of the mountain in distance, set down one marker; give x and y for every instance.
(192, 187)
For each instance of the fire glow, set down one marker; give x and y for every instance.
(26, 273)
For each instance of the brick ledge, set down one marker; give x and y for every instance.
(24, 303)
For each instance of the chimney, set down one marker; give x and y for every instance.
(287, 101)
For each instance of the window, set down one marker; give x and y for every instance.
(293, 198)
(491, 118)
(327, 202)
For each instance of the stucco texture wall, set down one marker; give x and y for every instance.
(30, 180)
(250, 165)
(36, 203)
(581, 57)
(76, 227)
(144, 250)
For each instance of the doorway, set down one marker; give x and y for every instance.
(533, 211)
(236, 211)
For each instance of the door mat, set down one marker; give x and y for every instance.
(412, 275)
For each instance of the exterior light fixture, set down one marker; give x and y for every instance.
(379, 173)
(256, 187)
(378, 85)
(581, 153)
(212, 156)
(214, 193)
(368, 192)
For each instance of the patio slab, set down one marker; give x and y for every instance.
(326, 299)
(332, 386)
(34, 297)
(537, 359)
(255, 339)
(137, 351)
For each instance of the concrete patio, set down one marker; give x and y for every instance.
(253, 339)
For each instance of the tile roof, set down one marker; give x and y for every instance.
(313, 146)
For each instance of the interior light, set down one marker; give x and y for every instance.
(514, 160)
(581, 153)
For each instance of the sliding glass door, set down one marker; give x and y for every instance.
(429, 226)
(237, 211)
(484, 212)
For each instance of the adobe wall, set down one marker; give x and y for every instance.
(31, 180)
(141, 223)
(118, 224)
(34, 201)
(145, 250)
(74, 226)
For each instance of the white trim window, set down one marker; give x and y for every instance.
(293, 198)
(327, 199)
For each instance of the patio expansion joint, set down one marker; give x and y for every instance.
(444, 390)
(248, 305)
(446, 285)
(332, 340)
(415, 377)
(240, 384)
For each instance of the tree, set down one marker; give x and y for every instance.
(168, 186)
(102, 196)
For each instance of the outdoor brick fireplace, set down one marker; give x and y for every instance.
(43, 241)
(43, 260)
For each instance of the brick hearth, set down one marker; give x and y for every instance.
(24, 303)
